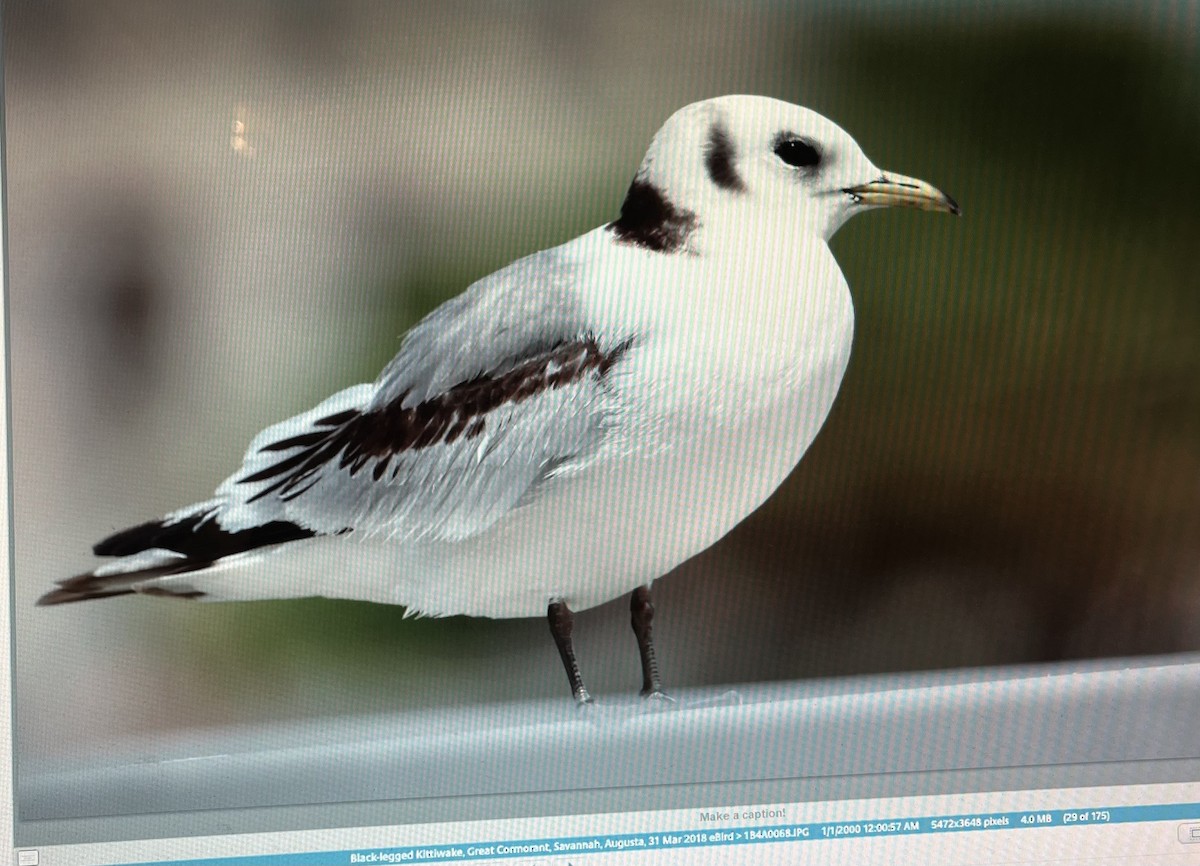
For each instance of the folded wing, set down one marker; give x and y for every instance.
(447, 466)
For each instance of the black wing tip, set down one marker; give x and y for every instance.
(90, 586)
(199, 537)
(87, 586)
(135, 539)
(68, 596)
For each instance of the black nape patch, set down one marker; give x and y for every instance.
(719, 157)
(648, 220)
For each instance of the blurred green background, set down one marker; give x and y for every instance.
(220, 214)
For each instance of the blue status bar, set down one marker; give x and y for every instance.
(712, 837)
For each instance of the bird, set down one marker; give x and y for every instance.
(572, 427)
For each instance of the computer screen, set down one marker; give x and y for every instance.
(616, 432)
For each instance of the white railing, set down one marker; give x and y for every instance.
(1091, 712)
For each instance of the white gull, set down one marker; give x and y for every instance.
(573, 426)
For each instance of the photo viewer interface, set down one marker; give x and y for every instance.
(1128, 824)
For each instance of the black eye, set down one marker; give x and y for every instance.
(797, 152)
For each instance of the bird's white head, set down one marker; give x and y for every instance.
(736, 158)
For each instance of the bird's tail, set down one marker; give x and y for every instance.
(149, 557)
(105, 584)
(142, 554)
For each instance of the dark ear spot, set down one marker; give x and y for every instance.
(719, 157)
(650, 221)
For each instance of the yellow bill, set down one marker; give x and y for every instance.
(896, 190)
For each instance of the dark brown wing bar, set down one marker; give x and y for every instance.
(355, 439)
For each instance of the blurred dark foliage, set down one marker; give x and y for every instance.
(1025, 390)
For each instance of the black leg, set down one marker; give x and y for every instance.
(641, 615)
(561, 622)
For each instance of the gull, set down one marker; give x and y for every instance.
(573, 426)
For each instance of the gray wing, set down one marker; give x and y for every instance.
(521, 309)
(491, 394)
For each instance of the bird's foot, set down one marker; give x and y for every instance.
(588, 711)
